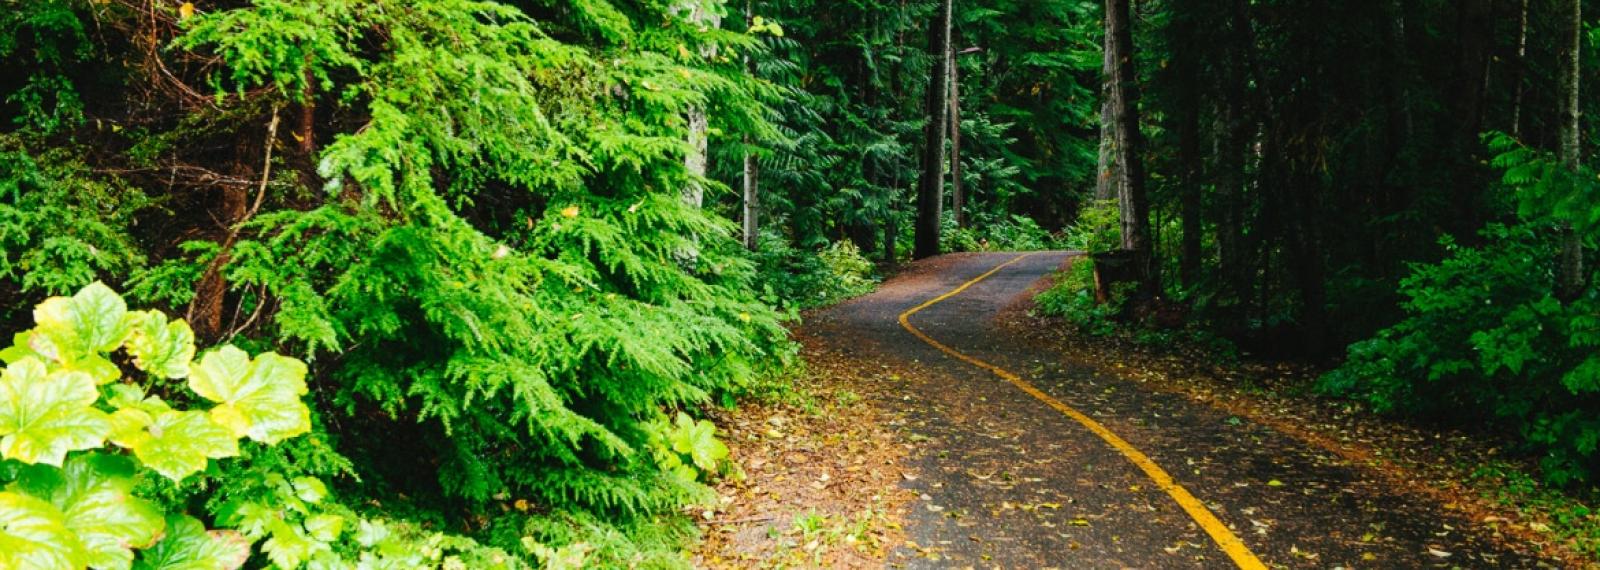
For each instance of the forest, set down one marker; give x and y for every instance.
(473, 283)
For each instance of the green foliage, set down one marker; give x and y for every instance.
(801, 279)
(1098, 229)
(42, 40)
(1545, 190)
(1072, 297)
(1012, 233)
(1486, 335)
(60, 227)
(60, 394)
(687, 448)
(73, 501)
(1485, 338)
(501, 261)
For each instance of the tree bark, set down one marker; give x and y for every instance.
(1521, 71)
(1187, 84)
(695, 161)
(752, 197)
(930, 187)
(1571, 278)
(1128, 146)
(958, 197)
(308, 119)
(1106, 186)
(752, 204)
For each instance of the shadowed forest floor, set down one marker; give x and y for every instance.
(901, 455)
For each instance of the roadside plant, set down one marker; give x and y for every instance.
(78, 434)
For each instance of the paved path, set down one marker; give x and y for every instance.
(1013, 479)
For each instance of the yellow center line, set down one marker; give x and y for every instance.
(1225, 539)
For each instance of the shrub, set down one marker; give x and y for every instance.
(1010, 233)
(93, 456)
(59, 226)
(800, 279)
(1485, 339)
(1097, 230)
(1072, 298)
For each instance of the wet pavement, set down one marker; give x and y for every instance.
(1006, 481)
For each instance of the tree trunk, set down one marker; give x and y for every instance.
(752, 197)
(1571, 280)
(308, 118)
(695, 161)
(1106, 185)
(1476, 41)
(1521, 71)
(752, 204)
(1232, 257)
(1128, 144)
(958, 198)
(930, 187)
(1187, 83)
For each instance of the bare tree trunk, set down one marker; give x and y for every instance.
(695, 161)
(1129, 144)
(1229, 148)
(1188, 85)
(958, 198)
(1522, 70)
(308, 118)
(1106, 186)
(752, 204)
(752, 196)
(930, 187)
(1571, 280)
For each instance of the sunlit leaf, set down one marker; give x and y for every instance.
(34, 535)
(174, 444)
(259, 399)
(94, 494)
(160, 347)
(45, 415)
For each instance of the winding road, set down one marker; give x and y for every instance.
(1025, 459)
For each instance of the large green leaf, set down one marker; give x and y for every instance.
(259, 399)
(45, 415)
(34, 535)
(175, 444)
(188, 546)
(96, 320)
(160, 347)
(698, 440)
(93, 491)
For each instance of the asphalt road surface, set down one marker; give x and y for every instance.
(1075, 473)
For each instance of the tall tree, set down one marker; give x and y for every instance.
(1127, 144)
(1521, 70)
(751, 221)
(1570, 277)
(698, 14)
(930, 187)
(957, 197)
(1108, 175)
(1186, 85)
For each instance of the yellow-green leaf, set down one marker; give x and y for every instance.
(45, 415)
(259, 399)
(93, 492)
(95, 320)
(174, 444)
(160, 347)
(34, 535)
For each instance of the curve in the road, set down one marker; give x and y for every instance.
(1219, 532)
